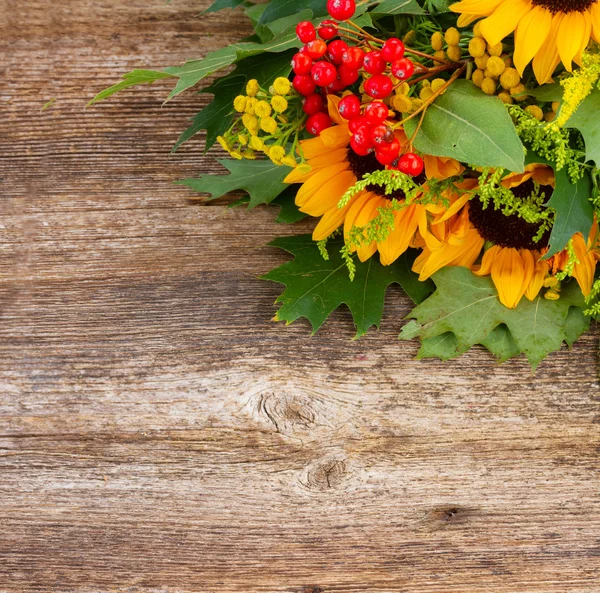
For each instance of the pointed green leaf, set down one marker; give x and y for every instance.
(289, 212)
(262, 180)
(577, 324)
(501, 343)
(130, 79)
(221, 4)
(444, 347)
(574, 211)
(277, 9)
(546, 93)
(468, 125)
(468, 306)
(316, 287)
(398, 7)
(586, 120)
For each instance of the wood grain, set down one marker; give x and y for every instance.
(158, 433)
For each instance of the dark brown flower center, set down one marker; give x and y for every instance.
(363, 165)
(564, 6)
(512, 230)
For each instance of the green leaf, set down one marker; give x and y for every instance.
(217, 116)
(130, 79)
(574, 211)
(501, 343)
(586, 120)
(262, 180)
(444, 347)
(398, 7)
(577, 324)
(194, 71)
(277, 9)
(467, 306)
(468, 125)
(289, 212)
(546, 93)
(221, 4)
(315, 287)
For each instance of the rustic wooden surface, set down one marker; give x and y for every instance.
(159, 433)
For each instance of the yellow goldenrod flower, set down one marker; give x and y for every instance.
(509, 79)
(488, 86)
(496, 49)
(535, 111)
(268, 124)
(496, 66)
(223, 143)
(478, 77)
(506, 98)
(437, 41)
(454, 53)
(440, 55)
(256, 143)
(401, 103)
(276, 153)
(425, 93)
(243, 139)
(482, 61)
(437, 84)
(452, 36)
(250, 105)
(282, 86)
(239, 103)
(289, 161)
(402, 89)
(252, 88)
(279, 104)
(236, 154)
(262, 109)
(249, 154)
(250, 122)
(477, 47)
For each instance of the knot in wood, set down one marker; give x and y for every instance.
(325, 474)
(287, 412)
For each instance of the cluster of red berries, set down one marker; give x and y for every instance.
(329, 65)
(371, 134)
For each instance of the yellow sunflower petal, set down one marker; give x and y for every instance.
(485, 269)
(595, 18)
(508, 275)
(504, 20)
(335, 137)
(441, 168)
(584, 271)
(547, 58)
(367, 213)
(532, 31)
(480, 7)
(316, 182)
(465, 19)
(332, 106)
(571, 36)
(537, 279)
(331, 220)
(329, 194)
(398, 241)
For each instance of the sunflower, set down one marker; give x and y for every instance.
(335, 168)
(546, 31)
(514, 261)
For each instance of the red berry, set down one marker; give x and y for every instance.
(335, 50)
(304, 84)
(316, 49)
(403, 69)
(386, 154)
(373, 63)
(318, 122)
(301, 63)
(341, 10)
(347, 75)
(376, 113)
(360, 149)
(362, 136)
(323, 73)
(313, 104)
(327, 30)
(381, 134)
(379, 86)
(353, 57)
(356, 122)
(411, 164)
(306, 31)
(349, 107)
(336, 86)
(392, 50)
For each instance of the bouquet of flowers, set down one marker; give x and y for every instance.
(453, 149)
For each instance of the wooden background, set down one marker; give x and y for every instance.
(158, 433)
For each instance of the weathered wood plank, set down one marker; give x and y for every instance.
(159, 433)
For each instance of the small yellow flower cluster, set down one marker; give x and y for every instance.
(260, 119)
(494, 73)
(429, 88)
(400, 100)
(451, 38)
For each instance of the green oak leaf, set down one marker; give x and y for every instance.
(277, 9)
(466, 124)
(547, 93)
(316, 287)
(444, 347)
(398, 7)
(286, 201)
(574, 211)
(501, 343)
(577, 324)
(468, 306)
(132, 78)
(586, 120)
(262, 180)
